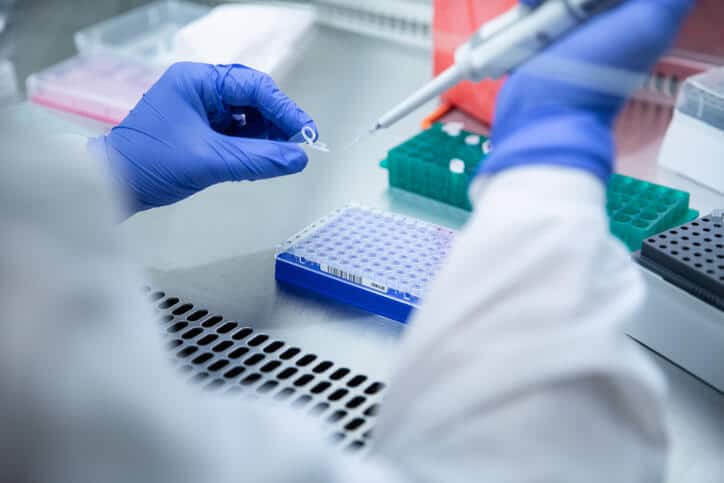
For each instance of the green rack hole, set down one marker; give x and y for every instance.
(637, 209)
(427, 171)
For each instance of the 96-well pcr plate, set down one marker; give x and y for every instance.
(438, 163)
(377, 261)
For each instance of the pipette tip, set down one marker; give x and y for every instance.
(376, 127)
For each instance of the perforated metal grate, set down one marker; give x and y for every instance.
(690, 256)
(224, 355)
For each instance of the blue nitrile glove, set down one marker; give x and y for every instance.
(185, 134)
(541, 118)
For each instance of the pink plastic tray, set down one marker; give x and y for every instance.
(98, 87)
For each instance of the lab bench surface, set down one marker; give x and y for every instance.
(217, 248)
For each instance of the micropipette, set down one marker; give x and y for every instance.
(501, 45)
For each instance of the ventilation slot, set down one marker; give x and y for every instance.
(223, 355)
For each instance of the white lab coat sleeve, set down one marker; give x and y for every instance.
(516, 368)
(88, 392)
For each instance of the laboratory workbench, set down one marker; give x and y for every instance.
(217, 248)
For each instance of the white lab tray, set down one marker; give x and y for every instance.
(145, 33)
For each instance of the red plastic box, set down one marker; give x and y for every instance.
(700, 46)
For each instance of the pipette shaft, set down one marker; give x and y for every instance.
(502, 45)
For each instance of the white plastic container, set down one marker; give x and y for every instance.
(100, 87)
(144, 34)
(694, 143)
(259, 35)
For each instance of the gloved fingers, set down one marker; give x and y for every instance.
(253, 125)
(677, 7)
(223, 93)
(242, 86)
(558, 107)
(673, 4)
(642, 30)
(276, 134)
(252, 159)
(248, 122)
(598, 65)
(630, 36)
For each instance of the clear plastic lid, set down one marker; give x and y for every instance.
(145, 33)
(101, 87)
(702, 97)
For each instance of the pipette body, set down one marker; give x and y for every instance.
(500, 46)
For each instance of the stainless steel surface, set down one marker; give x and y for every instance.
(216, 248)
(696, 428)
(209, 247)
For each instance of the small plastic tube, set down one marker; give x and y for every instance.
(310, 139)
(453, 129)
(457, 166)
(486, 146)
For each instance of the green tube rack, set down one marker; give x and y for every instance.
(438, 165)
(638, 209)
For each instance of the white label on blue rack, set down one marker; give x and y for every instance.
(374, 285)
(350, 277)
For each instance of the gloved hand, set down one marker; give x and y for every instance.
(559, 107)
(185, 135)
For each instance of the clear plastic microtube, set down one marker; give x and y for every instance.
(310, 140)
